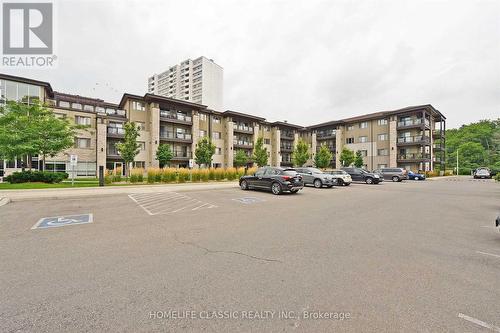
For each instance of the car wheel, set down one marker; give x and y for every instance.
(340, 182)
(347, 184)
(369, 180)
(294, 191)
(244, 185)
(317, 183)
(395, 179)
(276, 188)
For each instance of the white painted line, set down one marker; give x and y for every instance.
(162, 201)
(193, 201)
(139, 205)
(488, 226)
(196, 208)
(154, 199)
(149, 196)
(479, 322)
(489, 254)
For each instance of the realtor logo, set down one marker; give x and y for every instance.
(28, 34)
(27, 28)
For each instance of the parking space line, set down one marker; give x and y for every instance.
(168, 202)
(488, 254)
(479, 322)
(151, 204)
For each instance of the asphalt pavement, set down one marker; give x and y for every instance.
(411, 256)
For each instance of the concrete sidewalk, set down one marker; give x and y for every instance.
(80, 192)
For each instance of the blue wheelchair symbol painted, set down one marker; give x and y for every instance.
(61, 221)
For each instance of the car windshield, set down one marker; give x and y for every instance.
(290, 172)
(363, 171)
(314, 170)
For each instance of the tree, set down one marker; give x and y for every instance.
(323, 157)
(346, 157)
(358, 160)
(300, 153)
(164, 154)
(204, 152)
(260, 153)
(129, 148)
(27, 130)
(240, 158)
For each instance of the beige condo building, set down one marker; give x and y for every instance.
(411, 137)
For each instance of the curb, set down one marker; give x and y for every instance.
(4, 201)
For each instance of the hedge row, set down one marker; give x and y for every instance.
(30, 176)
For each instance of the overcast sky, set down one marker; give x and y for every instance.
(303, 61)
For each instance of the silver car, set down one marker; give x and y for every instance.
(315, 177)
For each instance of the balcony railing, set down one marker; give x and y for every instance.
(175, 135)
(112, 151)
(175, 116)
(116, 130)
(243, 128)
(412, 122)
(286, 147)
(413, 156)
(437, 146)
(413, 139)
(113, 112)
(182, 154)
(326, 134)
(437, 133)
(331, 148)
(242, 143)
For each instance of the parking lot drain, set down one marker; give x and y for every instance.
(62, 221)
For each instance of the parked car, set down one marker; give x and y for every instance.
(276, 180)
(316, 177)
(483, 173)
(361, 175)
(394, 174)
(340, 177)
(415, 176)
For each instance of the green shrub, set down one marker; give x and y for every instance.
(151, 175)
(134, 178)
(211, 174)
(497, 177)
(30, 176)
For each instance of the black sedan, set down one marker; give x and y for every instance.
(276, 180)
(361, 175)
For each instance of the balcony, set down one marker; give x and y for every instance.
(414, 157)
(413, 140)
(437, 160)
(176, 137)
(116, 132)
(330, 147)
(242, 144)
(286, 148)
(115, 113)
(437, 147)
(323, 135)
(175, 117)
(181, 155)
(416, 122)
(437, 133)
(243, 129)
(112, 152)
(287, 135)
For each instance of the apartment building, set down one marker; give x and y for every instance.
(199, 81)
(412, 137)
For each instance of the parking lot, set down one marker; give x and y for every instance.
(411, 256)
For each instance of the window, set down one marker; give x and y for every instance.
(383, 152)
(100, 109)
(88, 108)
(216, 120)
(142, 145)
(364, 124)
(139, 164)
(383, 137)
(82, 143)
(60, 115)
(79, 120)
(218, 151)
(382, 122)
(380, 166)
(363, 139)
(364, 153)
(64, 104)
(216, 135)
(203, 117)
(349, 140)
(350, 127)
(139, 106)
(77, 106)
(203, 133)
(267, 141)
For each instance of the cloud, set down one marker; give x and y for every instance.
(306, 62)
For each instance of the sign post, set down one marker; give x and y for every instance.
(73, 161)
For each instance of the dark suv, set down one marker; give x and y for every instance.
(361, 175)
(394, 174)
(276, 180)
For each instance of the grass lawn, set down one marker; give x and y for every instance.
(21, 186)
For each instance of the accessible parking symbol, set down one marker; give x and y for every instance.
(61, 221)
